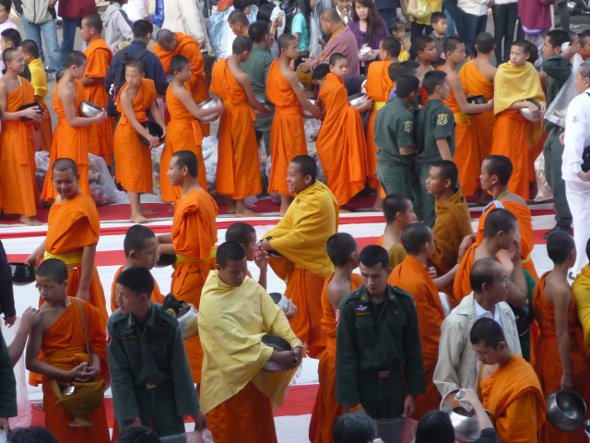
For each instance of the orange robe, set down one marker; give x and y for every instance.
(452, 224)
(412, 276)
(156, 296)
(514, 398)
(378, 87)
(462, 285)
(68, 142)
(73, 224)
(238, 166)
(188, 47)
(326, 409)
(17, 159)
(45, 127)
(396, 253)
(64, 347)
(287, 138)
(525, 225)
(194, 234)
(183, 133)
(548, 363)
(480, 130)
(100, 140)
(341, 145)
(133, 157)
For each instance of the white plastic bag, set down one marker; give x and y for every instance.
(209, 147)
(102, 186)
(544, 191)
(557, 110)
(156, 179)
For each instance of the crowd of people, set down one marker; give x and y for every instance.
(439, 316)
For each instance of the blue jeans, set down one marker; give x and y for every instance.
(34, 31)
(388, 16)
(69, 35)
(451, 12)
(471, 26)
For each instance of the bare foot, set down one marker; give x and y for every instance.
(138, 218)
(247, 213)
(30, 221)
(144, 211)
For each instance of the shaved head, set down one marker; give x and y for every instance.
(65, 164)
(330, 15)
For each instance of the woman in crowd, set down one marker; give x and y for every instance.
(368, 28)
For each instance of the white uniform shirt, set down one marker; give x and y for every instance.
(577, 136)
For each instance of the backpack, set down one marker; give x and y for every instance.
(119, 80)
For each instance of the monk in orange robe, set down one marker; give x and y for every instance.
(132, 154)
(300, 239)
(561, 362)
(343, 253)
(512, 392)
(100, 139)
(378, 87)
(184, 129)
(477, 77)
(72, 235)
(193, 238)
(238, 166)
(398, 211)
(170, 44)
(412, 276)
(17, 160)
(67, 345)
(141, 249)
(341, 145)
(517, 86)
(287, 138)
(70, 139)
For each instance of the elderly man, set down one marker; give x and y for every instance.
(457, 366)
(342, 41)
(575, 167)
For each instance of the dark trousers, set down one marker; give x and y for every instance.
(504, 25)
(388, 16)
(471, 26)
(70, 25)
(552, 151)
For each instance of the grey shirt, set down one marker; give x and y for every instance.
(256, 67)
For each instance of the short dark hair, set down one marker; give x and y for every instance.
(240, 233)
(258, 30)
(137, 279)
(238, 16)
(241, 44)
(30, 47)
(532, 50)
(435, 426)
(498, 220)
(392, 45)
(138, 434)
(339, 247)
(229, 251)
(13, 36)
(335, 58)
(406, 84)
(242, 4)
(75, 58)
(142, 28)
(188, 159)
(448, 171)
(421, 42)
(178, 63)
(307, 166)
(487, 331)
(135, 64)
(8, 55)
(65, 164)
(320, 71)
(482, 272)
(437, 17)
(559, 246)
(54, 268)
(584, 35)
(31, 434)
(94, 21)
(135, 238)
(393, 204)
(432, 79)
(415, 236)
(7, 5)
(285, 40)
(373, 255)
(484, 43)
(524, 45)
(558, 37)
(588, 249)
(451, 43)
(354, 428)
(500, 166)
(165, 36)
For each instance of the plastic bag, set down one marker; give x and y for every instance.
(544, 191)
(417, 8)
(42, 164)
(156, 155)
(209, 147)
(102, 186)
(557, 110)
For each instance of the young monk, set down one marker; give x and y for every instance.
(141, 249)
(512, 393)
(412, 276)
(561, 363)
(300, 237)
(72, 235)
(515, 85)
(287, 138)
(237, 393)
(378, 86)
(193, 239)
(341, 143)
(70, 139)
(399, 213)
(238, 168)
(132, 155)
(500, 231)
(184, 131)
(44, 128)
(245, 235)
(100, 140)
(425, 56)
(238, 23)
(17, 162)
(343, 253)
(68, 345)
(453, 221)
(477, 78)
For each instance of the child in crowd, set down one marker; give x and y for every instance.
(438, 21)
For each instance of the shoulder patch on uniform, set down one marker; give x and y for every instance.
(408, 124)
(442, 119)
